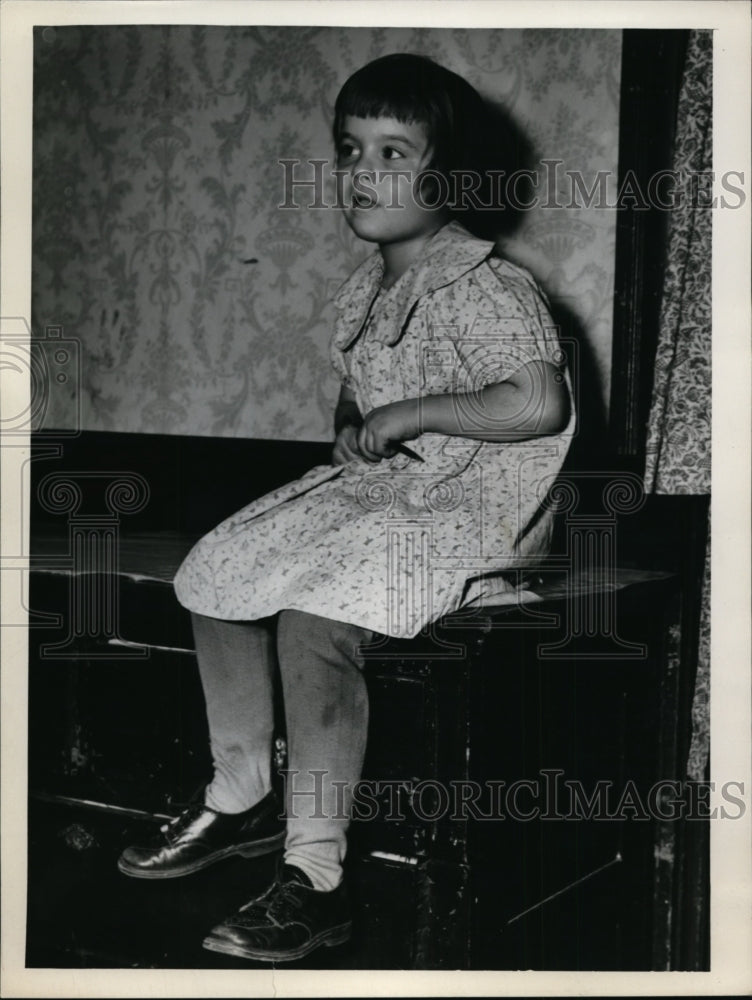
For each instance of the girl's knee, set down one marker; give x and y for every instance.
(300, 630)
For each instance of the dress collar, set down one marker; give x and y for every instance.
(450, 253)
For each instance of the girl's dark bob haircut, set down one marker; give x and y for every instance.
(466, 133)
(413, 88)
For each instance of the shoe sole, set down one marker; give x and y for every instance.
(328, 939)
(252, 850)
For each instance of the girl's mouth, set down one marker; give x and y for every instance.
(363, 201)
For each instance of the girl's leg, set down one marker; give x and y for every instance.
(326, 707)
(236, 662)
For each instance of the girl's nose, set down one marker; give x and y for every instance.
(367, 163)
(365, 168)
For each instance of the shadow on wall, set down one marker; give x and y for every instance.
(591, 437)
(503, 152)
(507, 152)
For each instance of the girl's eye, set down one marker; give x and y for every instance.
(346, 151)
(392, 153)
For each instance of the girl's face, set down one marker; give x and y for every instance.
(379, 158)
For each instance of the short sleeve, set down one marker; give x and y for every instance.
(340, 365)
(488, 324)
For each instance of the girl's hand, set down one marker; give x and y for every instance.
(386, 425)
(346, 445)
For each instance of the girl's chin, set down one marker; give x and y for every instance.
(366, 225)
(377, 225)
(372, 224)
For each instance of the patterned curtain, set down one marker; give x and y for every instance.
(678, 444)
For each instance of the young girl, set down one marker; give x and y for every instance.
(439, 343)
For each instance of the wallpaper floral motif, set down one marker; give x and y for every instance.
(201, 306)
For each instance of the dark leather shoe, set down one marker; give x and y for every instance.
(287, 922)
(199, 836)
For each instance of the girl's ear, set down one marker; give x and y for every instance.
(434, 190)
(429, 187)
(428, 159)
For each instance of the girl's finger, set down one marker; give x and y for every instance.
(362, 441)
(365, 445)
(381, 446)
(343, 452)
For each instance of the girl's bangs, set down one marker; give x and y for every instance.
(380, 104)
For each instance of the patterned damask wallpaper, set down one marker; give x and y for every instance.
(156, 177)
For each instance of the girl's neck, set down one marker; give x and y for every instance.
(400, 256)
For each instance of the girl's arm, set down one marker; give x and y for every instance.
(347, 411)
(532, 402)
(347, 421)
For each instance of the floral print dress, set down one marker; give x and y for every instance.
(395, 545)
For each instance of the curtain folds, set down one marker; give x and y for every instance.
(678, 443)
(679, 426)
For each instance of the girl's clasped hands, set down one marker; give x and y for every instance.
(378, 433)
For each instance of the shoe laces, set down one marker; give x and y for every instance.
(278, 904)
(285, 900)
(175, 826)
